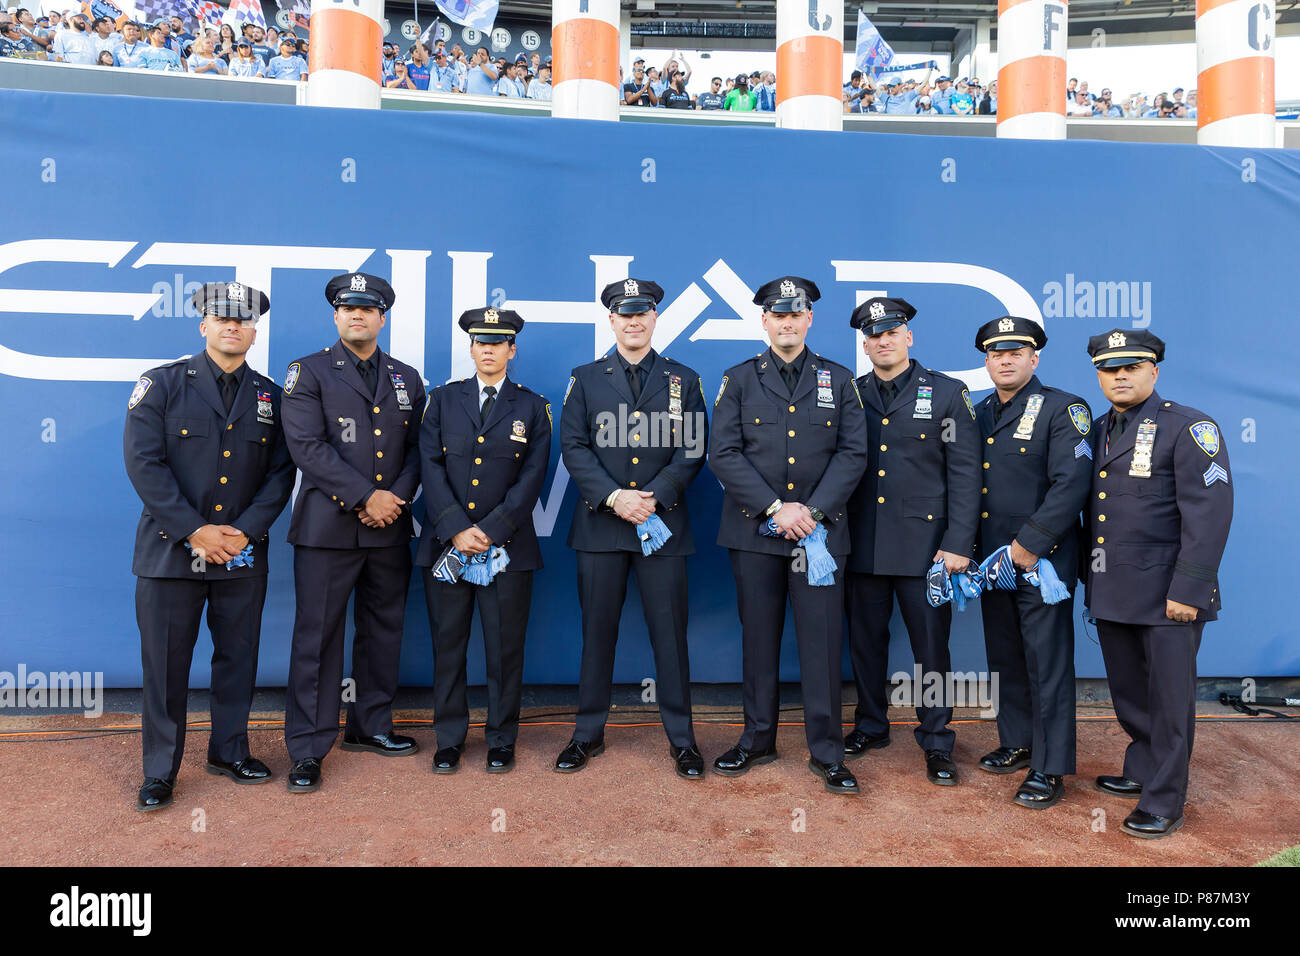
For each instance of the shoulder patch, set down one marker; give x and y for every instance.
(1081, 417)
(138, 393)
(721, 388)
(1206, 434)
(549, 420)
(291, 377)
(965, 394)
(568, 388)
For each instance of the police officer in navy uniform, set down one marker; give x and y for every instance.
(917, 503)
(634, 432)
(485, 443)
(1157, 520)
(204, 449)
(1037, 471)
(351, 418)
(788, 444)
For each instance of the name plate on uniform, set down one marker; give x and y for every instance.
(399, 388)
(675, 397)
(825, 395)
(924, 397)
(1142, 448)
(264, 407)
(1025, 427)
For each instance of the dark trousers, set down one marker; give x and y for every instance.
(870, 605)
(503, 614)
(1152, 677)
(1030, 647)
(763, 584)
(168, 612)
(324, 579)
(602, 588)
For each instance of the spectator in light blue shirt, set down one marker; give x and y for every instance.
(130, 52)
(482, 77)
(443, 78)
(159, 57)
(288, 65)
(899, 101)
(941, 98)
(657, 82)
(202, 59)
(244, 63)
(75, 44)
(1191, 105)
(387, 64)
(510, 85)
(1104, 107)
(540, 89)
(765, 93)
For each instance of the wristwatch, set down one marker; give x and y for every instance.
(817, 513)
(773, 508)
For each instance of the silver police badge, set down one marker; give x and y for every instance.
(358, 283)
(630, 287)
(235, 291)
(1007, 325)
(491, 316)
(877, 311)
(1117, 340)
(788, 290)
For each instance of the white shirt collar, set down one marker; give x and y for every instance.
(482, 385)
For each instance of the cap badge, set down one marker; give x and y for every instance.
(630, 287)
(787, 289)
(1006, 325)
(877, 310)
(235, 291)
(491, 316)
(358, 283)
(1117, 340)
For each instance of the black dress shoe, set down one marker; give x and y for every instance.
(940, 768)
(1119, 787)
(447, 759)
(1149, 826)
(857, 743)
(304, 776)
(839, 778)
(248, 770)
(1040, 790)
(738, 760)
(575, 756)
(500, 759)
(690, 764)
(155, 794)
(1005, 760)
(390, 745)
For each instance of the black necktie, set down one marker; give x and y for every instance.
(790, 375)
(999, 408)
(368, 374)
(634, 380)
(1118, 424)
(228, 388)
(887, 392)
(491, 392)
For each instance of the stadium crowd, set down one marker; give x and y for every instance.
(264, 52)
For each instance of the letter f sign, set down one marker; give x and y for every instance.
(1051, 11)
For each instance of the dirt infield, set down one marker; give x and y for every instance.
(628, 807)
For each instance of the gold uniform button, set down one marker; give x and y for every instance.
(478, 461)
(929, 517)
(986, 464)
(379, 454)
(379, 477)
(880, 501)
(229, 427)
(185, 431)
(1101, 494)
(216, 507)
(334, 497)
(881, 473)
(631, 484)
(1022, 451)
(636, 437)
(828, 422)
(989, 440)
(1101, 474)
(984, 514)
(223, 479)
(790, 433)
(480, 439)
(984, 491)
(375, 410)
(1101, 540)
(1167, 404)
(789, 487)
(340, 421)
(755, 421)
(225, 454)
(379, 431)
(884, 421)
(471, 506)
(922, 434)
(263, 439)
(474, 482)
(1101, 517)
(884, 448)
(791, 408)
(790, 460)
(636, 461)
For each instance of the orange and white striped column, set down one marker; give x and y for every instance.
(343, 67)
(1234, 64)
(809, 64)
(1031, 68)
(584, 51)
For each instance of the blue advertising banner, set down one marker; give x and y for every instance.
(119, 207)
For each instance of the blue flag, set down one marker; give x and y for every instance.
(479, 14)
(872, 51)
